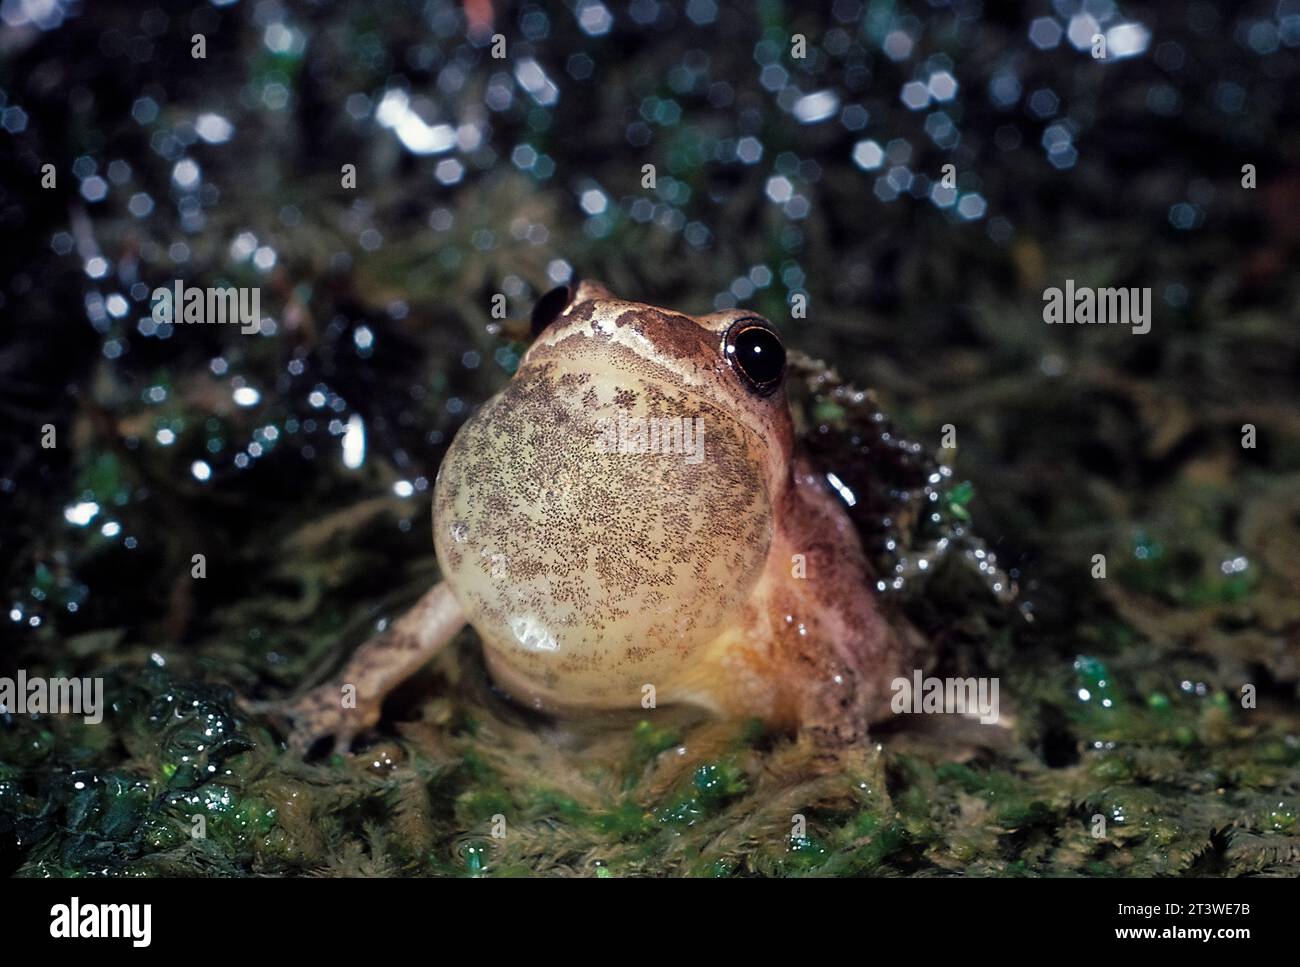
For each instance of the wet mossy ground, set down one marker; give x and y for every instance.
(1124, 749)
(1150, 718)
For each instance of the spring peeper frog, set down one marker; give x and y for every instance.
(631, 517)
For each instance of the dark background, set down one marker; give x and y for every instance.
(1077, 441)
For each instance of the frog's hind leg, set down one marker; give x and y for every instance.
(351, 702)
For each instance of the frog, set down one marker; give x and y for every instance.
(631, 522)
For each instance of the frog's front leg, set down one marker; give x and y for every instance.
(351, 702)
(839, 652)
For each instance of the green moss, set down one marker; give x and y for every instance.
(627, 822)
(883, 845)
(647, 742)
(1124, 693)
(711, 787)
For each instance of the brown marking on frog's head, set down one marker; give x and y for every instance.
(697, 355)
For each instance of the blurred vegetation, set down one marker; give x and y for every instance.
(1122, 698)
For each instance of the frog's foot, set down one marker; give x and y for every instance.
(328, 711)
(352, 702)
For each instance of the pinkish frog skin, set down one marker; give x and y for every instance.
(728, 578)
(598, 576)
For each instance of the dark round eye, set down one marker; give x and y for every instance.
(548, 307)
(756, 353)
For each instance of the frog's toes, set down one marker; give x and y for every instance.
(321, 713)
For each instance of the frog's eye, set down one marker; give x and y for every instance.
(754, 351)
(549, 306)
